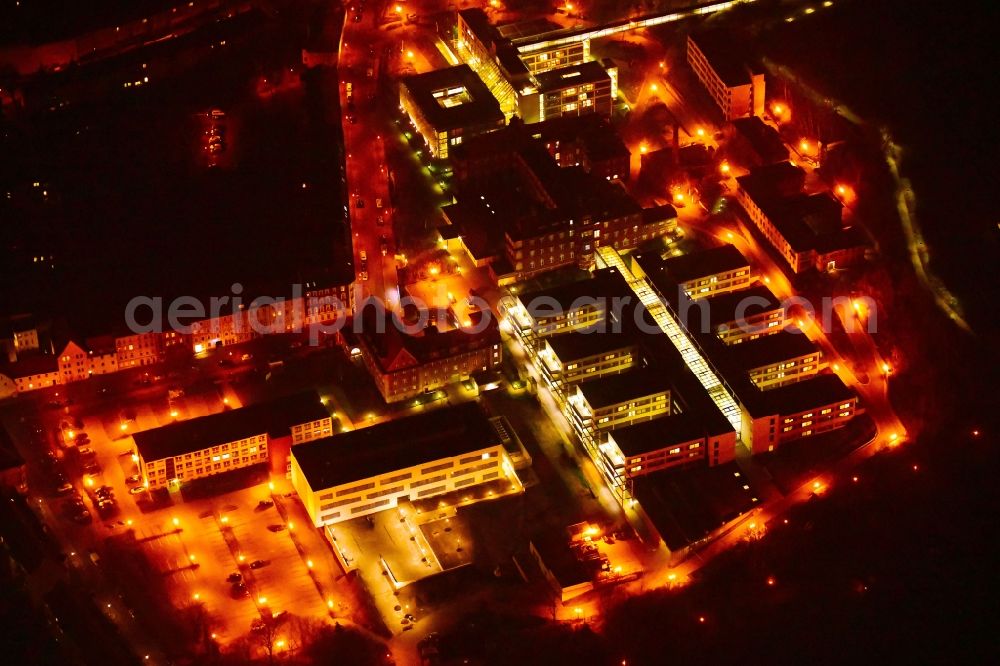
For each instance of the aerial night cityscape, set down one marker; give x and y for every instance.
(440, 332)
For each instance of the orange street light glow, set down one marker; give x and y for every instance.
(679, 196)
(700, 131)
(409, 54)
(654, 87)
(398, 9)
(176, 522)
(804, 145)
(841, 189)
(643, 148)
(724, 168)
(885, 368)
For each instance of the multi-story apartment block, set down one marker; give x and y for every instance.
(404, 365)
(375, 468)
(572, 358)
(736, 88)
(737, 316)
(794, 411)
(449, 105)
(619, 400)
(516, 204)
(671, 441)
(575, 306)
(774, 382)
(779, 359)
(230, 440)
(807, 230)
(588, 141)
(570, 91)
(753, 143)
(710, 272)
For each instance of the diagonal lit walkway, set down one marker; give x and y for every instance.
(608, 256)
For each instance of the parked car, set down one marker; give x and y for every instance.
(64, 489)
(86, 451)
(259, 564)
(265, 504)
(135, 478)
(234, 577)
(136, 490)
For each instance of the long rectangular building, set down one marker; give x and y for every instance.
(372, 469)
(736, 88)
(232, 439)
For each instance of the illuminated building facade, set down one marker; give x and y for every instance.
(230, 440)
(779, 359)
(572, 358)
(405, 365)
(807, 230)
(576, 306)
(375, 468)
(736, 89)
(738, 316)
(706, 273)
(570, 91)
(449, 105)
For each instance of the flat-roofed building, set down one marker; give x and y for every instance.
(569, 307)
(404, 365)
(372, 469)
(709, 272)
(572, 358)
(810, 407)
(449, 105)
(736, 316)
(569, 91)
(779, 359)
(754, 143)
(232, 439)
(663, 443)
(736, 88)
(615, 401)
(807, 230)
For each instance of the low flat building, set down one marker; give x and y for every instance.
(570, 307)
(448, 105)
(807, 230)
(754, 143)
(577, 357)
(736, 88)
(575, 90)
(372, 469)
(709, 272)
(644, 448)
(737, 316)
(404, 365)
(229, 440)
(806, 408)
(619, 400)
(779, 359)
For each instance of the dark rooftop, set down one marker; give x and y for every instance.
(658, 213)
(763, 139)
(704, 263)
(274, 417)
(570, 347)
(480, 107)
(421, 347)
(396, 444)
(605, 283)
(564, 77)
(771, 349)
(659, 433)
(724, 56)
(722, 308)
(818, 391)
(685, 505)
(619, 388)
